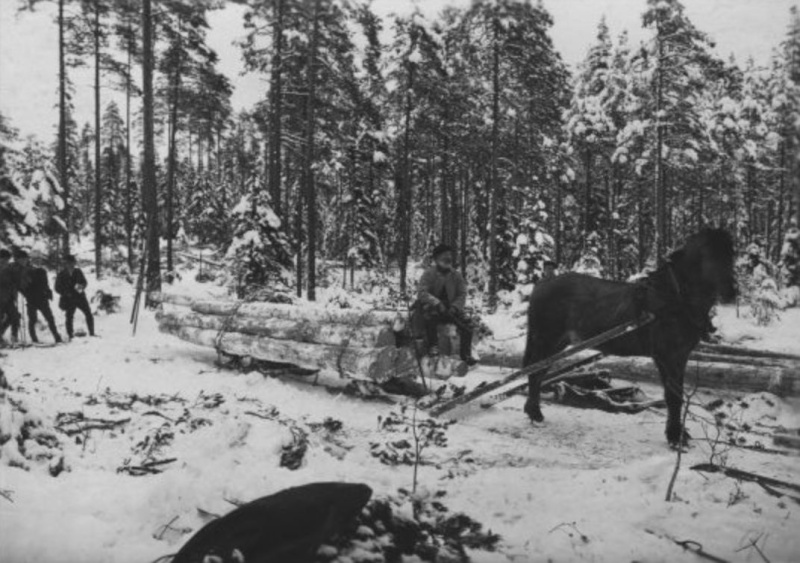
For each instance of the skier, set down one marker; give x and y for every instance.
(38, 295)
(441, 297)
(9, 288)
(71, 286)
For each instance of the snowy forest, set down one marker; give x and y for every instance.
(384, 281)
(377, 138)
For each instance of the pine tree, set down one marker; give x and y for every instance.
(680, 60)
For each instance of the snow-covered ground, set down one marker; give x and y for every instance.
(584, 486)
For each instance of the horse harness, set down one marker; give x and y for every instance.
(664, 300)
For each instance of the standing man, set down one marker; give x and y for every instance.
(441, 297)
(71, 286)
(37, 297)
(9, 288)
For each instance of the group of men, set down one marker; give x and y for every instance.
(20, 277)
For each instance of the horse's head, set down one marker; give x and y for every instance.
(709, 257)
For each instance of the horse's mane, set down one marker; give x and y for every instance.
(718, 241)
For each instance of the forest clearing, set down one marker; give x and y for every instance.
(311, 281)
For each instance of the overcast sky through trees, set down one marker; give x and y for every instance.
(29, 47)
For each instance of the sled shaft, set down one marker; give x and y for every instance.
(543, 365)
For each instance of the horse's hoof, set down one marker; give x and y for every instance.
(681, 443)
(535, 414)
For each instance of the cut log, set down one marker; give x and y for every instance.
(282, 311)
(376, 336)
(377, 364)
(783, 381)
(171, 299)
(513, 359)
(756, 361)
(739, 351)
(439, 367)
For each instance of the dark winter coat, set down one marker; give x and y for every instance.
(37, 289)
(9, 286)
(448, 288)
(66, 287)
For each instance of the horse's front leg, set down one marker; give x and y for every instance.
(672, 372)
(533, 406)
(533, 352)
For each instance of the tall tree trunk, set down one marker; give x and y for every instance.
(98, 204)
(63, 173)
(219, 153)
(276, 93)
(173, 130)
(464, 220)
(128, 187)
(640, 214)
(404, 218)
(149, 189)
(495, 194)
(659, 186)
(558, 218)
(310, 188)
(298, 235)
(588, 225)
(781, 197)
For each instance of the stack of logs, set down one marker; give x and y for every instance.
(356, 343)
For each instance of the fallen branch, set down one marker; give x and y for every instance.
(7, 494)
(690, 545)
(757, 447)
(160, 535)
(753, 544)
(83, 425)
(745, 476)
(146, 468)
(156, 413)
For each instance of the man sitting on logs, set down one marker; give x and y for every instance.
(441, 297)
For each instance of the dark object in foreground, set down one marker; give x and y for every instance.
(287, 527)
(403, 528)
(573, 308)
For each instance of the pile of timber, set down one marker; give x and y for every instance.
(357, 343)
(716, 366)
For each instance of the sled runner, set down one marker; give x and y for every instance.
(503, 388)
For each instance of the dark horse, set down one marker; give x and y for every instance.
(680, 293)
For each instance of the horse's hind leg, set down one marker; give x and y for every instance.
(535, 350)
